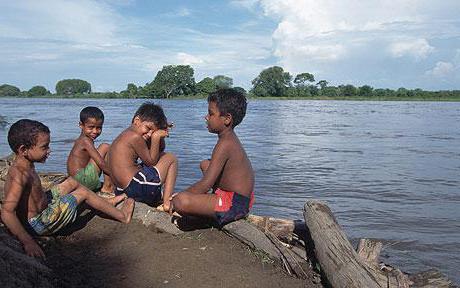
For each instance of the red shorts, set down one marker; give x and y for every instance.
(232, 206)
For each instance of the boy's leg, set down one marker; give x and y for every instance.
(108, 186)
(195, 204)
(82, 194)
(70, 184)
(167, 167)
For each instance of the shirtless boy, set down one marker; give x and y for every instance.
(85, 162)
(144, 140)
(27, 209)
(228, 173)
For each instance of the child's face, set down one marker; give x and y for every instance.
(214, 120)
(41, 150)
(92, 127)
(145, 128)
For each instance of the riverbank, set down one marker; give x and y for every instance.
(106, 253)
(325, 98)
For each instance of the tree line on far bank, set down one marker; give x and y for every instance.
(174, 81)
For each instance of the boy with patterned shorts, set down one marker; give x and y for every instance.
(27, 210)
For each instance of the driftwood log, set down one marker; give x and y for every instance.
(342, 266)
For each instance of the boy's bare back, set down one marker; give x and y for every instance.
(122, 157)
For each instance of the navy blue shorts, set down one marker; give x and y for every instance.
(145, 186)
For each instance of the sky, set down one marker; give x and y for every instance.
(381, 43)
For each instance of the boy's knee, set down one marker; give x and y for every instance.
(204, 165)
(103, 148)
(181, 201)
(170, 157)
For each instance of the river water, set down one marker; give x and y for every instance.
(388, 170)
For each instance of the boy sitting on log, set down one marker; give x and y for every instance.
(27, 209)
(86, 163)
(228, 173)
(144, 140)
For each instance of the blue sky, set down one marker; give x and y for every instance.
(382, 43)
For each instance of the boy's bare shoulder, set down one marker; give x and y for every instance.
(128, 137)
(19, 175)
(83, 142)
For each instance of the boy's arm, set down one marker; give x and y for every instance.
(219, 157)
(17, 181)
(94, 154)
(150, 156)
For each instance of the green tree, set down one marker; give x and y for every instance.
(222, 81)
(173, 80)
(303, 79)
(365, 91)
(401, 92)
(130, 92)
(9, 90)
(348, 90)
(205, 86)
(330, 91)
(322, 84)
(240, 90)
(272, 81)
(73, 86)
(38, 91)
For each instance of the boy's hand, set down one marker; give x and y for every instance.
(33, 249)
(160, 133)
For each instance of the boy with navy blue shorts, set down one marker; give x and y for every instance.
(153, 178)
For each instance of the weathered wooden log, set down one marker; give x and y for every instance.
(369, 250)
(339, 262)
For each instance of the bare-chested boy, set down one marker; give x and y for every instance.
(85, 162)
(228, 172)
(27, 209)
(144, 140)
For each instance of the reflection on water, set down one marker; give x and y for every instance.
(389, 170)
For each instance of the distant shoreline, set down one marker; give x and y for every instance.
(326, 98)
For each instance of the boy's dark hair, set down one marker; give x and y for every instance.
(152, 112)
(91, 112)
(25, 132)
(230, 101)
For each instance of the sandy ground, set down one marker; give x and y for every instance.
(105, 253)
(110, 254)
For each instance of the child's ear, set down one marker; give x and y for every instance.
(80, 124)
(22, 150)
(228, 119)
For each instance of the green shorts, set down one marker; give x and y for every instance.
(89, 177)
(60, 212)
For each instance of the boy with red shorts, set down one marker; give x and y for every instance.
(229, 172)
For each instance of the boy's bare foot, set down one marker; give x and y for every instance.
(108, 190)
(127, 209)
(117, 199)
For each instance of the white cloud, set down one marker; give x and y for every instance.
(187, 59)
(419, 48)
(442, 69)
(86, 21)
